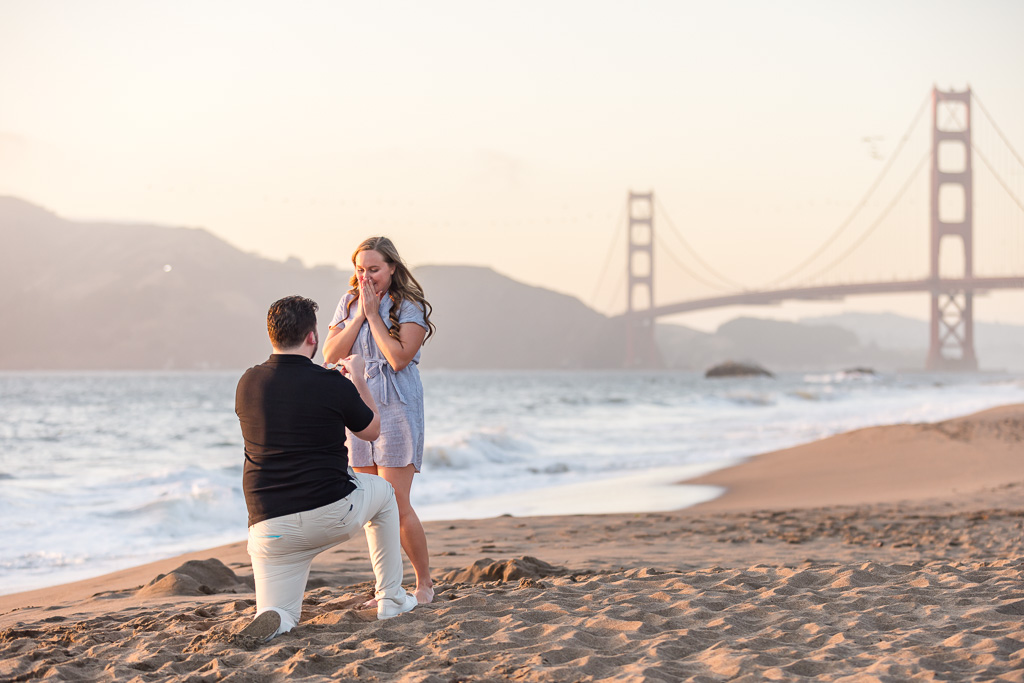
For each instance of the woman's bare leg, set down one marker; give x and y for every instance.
(414, 540)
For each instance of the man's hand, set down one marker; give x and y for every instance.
(352, 366)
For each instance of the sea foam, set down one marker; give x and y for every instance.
(106, 470)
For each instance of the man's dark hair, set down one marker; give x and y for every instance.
(289, 320)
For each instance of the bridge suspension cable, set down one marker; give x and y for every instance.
(862, 203)
(998, 178)
(997, 129)
(619, 225)
(878, 221)
(984, 159)
(696, 256)
(664, 247)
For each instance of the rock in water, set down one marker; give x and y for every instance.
(733, 369)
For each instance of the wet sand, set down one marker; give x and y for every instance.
(884, 554)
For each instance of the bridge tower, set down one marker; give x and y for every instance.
(641, 350)
(952, 320)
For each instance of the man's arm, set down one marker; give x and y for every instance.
(353, 367)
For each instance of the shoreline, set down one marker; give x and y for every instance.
(791, 478)
(907, 535)
(893, 463)
(194, 502)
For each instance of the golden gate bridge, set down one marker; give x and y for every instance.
(953, 275)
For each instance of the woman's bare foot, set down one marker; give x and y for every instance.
(424, 595)
(369, 604)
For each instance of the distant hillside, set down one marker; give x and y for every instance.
(999, 346)
(486, 320)
(100, 296)
(79, 295)
(115, 296)
(778, 346)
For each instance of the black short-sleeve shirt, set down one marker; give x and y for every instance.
(293, 415)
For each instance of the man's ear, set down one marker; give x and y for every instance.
(311, 338)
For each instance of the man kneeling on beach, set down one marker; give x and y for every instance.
(301, 495)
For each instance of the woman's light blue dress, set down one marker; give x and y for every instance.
(399, 395)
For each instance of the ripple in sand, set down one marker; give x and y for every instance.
(960, 621)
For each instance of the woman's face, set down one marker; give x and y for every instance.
(370, 265)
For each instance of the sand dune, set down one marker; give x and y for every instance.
(887, 554)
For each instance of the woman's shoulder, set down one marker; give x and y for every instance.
(411, 311)
(410, 305)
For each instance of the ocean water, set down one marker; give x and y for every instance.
(100, 471)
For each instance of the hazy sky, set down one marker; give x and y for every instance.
(508, 134)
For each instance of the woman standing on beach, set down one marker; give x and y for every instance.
(385, 318)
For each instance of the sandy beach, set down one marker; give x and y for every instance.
(884, 554)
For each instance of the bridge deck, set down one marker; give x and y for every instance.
(972, 284)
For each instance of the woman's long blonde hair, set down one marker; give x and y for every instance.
(403, 285)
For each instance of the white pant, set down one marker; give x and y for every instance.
(282, 548)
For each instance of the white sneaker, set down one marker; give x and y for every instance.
(387, 608)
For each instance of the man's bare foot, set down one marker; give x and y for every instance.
(424, 595)
(369, 604)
